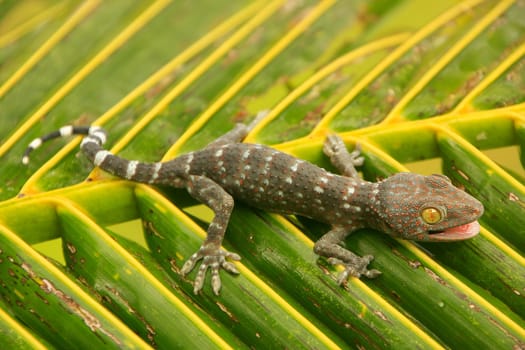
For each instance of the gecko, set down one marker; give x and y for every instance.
(405, 205)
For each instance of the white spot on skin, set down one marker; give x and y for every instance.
(318, 189)
(288, 180)
(131, 169)
(219, 153)
(350, 190)
(323, 180)
(101, 136)
(346, 206)
(187, 167)
(280, 193)
(216, 226)
(66, 130)
(294, 167)
(299, 194)
(97, 139)
(93, 129)
(247, 167)
(85, 140)
(35, 143)
(100, 157)
(246, 154)
(155, 174)
(268, 159)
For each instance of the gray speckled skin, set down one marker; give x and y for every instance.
(265, 178)
(404, 205)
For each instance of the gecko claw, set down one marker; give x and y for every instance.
(356, 268)
(210, 260)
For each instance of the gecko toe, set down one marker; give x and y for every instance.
(215, 280)
(372, 273)
(366, 259)
(357, 160)
(190, 264)
(230, 267)
(199, 279)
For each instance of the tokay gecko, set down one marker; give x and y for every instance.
(405, 205)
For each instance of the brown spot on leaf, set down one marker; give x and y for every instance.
(513, 197)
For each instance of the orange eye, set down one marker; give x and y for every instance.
(431, 215)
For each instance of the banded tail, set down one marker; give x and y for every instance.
(91, 146)
(95, 133)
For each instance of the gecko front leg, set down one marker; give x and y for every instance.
(328, 245)
(356, 266)
(213, 257)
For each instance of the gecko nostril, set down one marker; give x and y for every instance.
(480, 210)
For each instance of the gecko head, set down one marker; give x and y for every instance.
(426, 208)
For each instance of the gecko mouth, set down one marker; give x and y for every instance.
(457, 233)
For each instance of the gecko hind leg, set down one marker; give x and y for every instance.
(213, 257)
(356, 266)
(239, 132)
(344, 161)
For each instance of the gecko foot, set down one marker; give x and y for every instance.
(345, 161)
(334, 145)
(356, 268)
(214, 260)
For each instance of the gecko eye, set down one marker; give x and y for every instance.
(432, 215)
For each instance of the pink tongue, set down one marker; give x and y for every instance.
(458, 233)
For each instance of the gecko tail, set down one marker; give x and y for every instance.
(69, 130)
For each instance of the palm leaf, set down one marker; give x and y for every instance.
(408, 80)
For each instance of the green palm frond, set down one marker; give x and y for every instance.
(409, 81)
